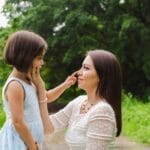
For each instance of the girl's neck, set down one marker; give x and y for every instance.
(21, 75)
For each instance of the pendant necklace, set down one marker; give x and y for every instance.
(85, 107)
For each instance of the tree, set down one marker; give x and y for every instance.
(73, 27)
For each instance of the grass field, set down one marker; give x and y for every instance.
(136, 119)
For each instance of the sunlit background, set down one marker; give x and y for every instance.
(3, 19)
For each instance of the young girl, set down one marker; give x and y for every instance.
(23, 128)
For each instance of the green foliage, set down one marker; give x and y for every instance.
(136, 119)
(2, 114)
(134, 42)
(2, 117)
(71, 28)
(4, 69)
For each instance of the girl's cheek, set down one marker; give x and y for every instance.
(35, 65)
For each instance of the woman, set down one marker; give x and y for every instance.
(92, 120)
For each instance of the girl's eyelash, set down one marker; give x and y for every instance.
(40, 57)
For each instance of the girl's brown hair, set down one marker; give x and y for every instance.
(22, 47)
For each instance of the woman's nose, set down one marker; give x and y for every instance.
(80, 72)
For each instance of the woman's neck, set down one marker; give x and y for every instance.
(93, 98)
(21, 75)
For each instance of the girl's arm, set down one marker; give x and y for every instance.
(54, 93)
(15, 96)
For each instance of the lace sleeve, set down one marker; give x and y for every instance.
(60, 120)
(101, 129)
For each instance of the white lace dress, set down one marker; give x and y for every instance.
(94, 130)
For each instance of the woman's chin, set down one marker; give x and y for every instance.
(80, 86)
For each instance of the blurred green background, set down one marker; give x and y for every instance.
(71, 28)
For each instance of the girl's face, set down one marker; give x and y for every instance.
(88, 79)
(38, 61)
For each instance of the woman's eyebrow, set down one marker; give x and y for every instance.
(85, 64)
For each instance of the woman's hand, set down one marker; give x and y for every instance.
(36, 77)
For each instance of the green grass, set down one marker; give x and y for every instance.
(136, 119)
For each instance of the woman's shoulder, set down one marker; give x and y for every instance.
(105, 105)
(79, 99)
(103, 109)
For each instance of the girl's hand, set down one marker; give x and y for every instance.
(35, 147)
(71, 80)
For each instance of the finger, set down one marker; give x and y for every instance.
(36, 70)
(75, 74)
(33, 70)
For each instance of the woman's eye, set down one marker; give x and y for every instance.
(86, 68)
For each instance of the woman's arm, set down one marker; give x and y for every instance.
(56, 121)
(42, 99)
(15, 96)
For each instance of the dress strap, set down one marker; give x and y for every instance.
(7, 84)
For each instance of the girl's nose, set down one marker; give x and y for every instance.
(42, 62)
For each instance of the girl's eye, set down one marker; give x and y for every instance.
(40, 57)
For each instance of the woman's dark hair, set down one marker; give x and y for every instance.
(22, 47)
(110, 85)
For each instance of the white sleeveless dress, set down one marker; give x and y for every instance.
(9, 138)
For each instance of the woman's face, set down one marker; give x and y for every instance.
(88, 79)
